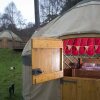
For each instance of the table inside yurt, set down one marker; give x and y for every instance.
(75, 60)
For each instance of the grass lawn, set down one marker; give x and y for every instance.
(9, 58)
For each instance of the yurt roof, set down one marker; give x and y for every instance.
(82, 18)
(10, 35)
(38, 33)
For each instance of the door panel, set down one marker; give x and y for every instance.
(69, 90)
(87, 90)
(47, 59)
(98, 89)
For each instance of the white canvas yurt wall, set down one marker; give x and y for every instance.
(8, 39)
(83, 18)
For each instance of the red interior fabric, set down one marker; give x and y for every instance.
(97, 51)
(74, 50)
(77, 41)
(82, 51)
(90, 41)
(64, 45)
(90, 50)
(81, 46)
(70, 41)
(97, 41)
(67, 50)
(83, 41)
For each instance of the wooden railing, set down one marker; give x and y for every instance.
(19, 46)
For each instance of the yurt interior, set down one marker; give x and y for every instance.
(61, 60)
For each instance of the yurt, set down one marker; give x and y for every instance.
(61, 60)
(8, 39)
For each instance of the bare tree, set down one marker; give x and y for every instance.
(11, 10)
(68, 4)
(20, 22)
(49, 9)
(4, 21)
(14, 16)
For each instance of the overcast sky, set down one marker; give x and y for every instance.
(25, 6)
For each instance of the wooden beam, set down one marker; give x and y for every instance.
(46, 43)
(80, 35)
(45, 77)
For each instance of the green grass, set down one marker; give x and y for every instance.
(9, 58)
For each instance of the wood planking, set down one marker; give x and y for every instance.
(83, 88)
(48, 60)
(98, 89)
(56, 60)
(47, 54)
(86, 73)
(47, 43)
(86, 90)
(77, 35)
(4, 42)
(45, 77)
(69, 90)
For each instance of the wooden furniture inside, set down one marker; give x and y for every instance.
(47, 59)
(89, 72)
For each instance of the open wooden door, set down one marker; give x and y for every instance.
(47, 60)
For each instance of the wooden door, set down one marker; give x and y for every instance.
(69, 89)
(87, 89)
(98, 89)
(47, 60)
